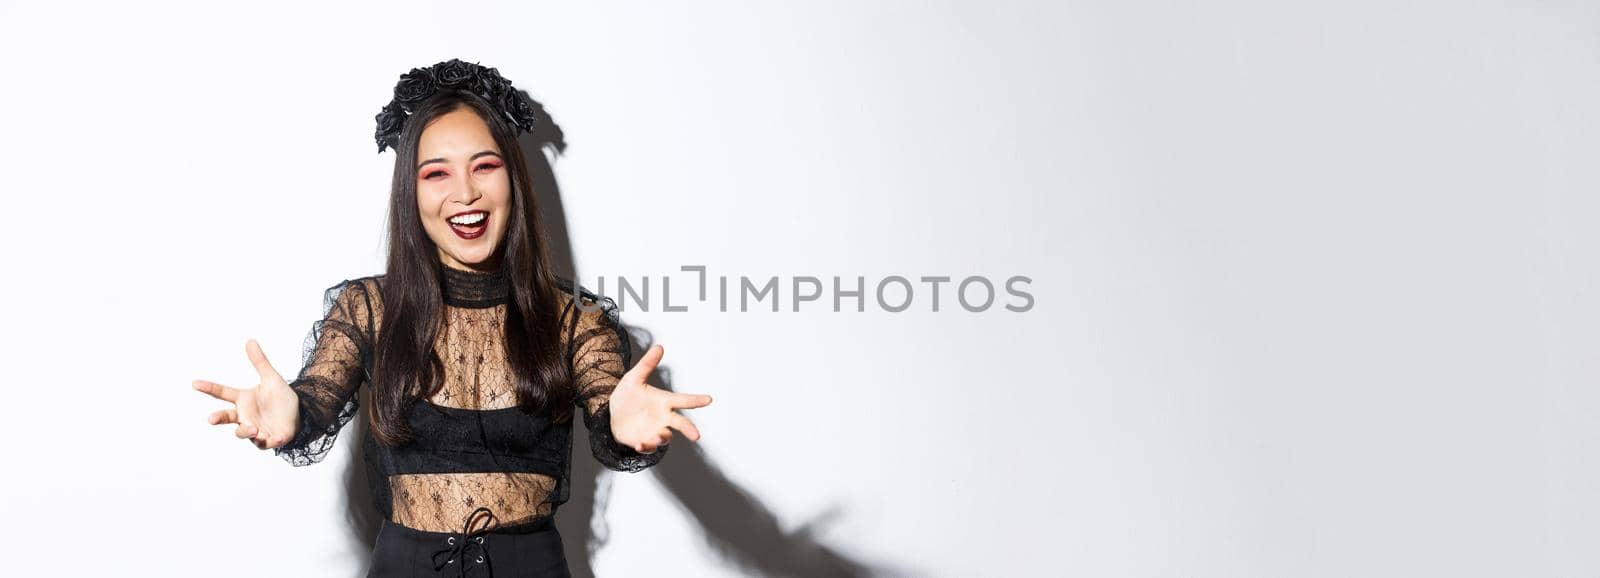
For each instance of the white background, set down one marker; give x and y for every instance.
(1315, 282)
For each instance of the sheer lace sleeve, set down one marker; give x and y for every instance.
(599, 349)
(336, 353)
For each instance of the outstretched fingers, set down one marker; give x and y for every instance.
(689, 400)
(259, 360)
(223, 416)
(217, 390)
(647, 363)
(682, 424)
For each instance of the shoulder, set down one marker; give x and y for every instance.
(592, 322)
(355, 288)
(356, 298)
(581, 307)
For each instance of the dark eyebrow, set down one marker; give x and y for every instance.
(469, 159)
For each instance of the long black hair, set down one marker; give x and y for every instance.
(406, 367)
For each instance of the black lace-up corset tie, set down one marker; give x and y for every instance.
(467, 549)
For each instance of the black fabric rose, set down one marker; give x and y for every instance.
(420, 84)
(390, 120)
(491, 86)
(455, 74)
(520, 109)
(415, 86)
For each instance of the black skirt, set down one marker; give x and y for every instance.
(532, 551)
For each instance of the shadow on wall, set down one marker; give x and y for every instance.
(736, 524)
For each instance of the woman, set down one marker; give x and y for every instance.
(476, 355)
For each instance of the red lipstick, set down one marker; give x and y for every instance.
(470, 230)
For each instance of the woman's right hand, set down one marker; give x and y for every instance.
(266, 414)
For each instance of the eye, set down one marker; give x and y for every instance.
(432, 174)
(486, 167)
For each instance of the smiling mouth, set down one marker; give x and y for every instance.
(469, 225)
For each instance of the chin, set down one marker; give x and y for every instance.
(474, 258)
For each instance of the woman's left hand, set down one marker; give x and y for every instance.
(641, 413)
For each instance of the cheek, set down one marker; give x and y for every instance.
(501, 195)
(428, 202)
(500, 189)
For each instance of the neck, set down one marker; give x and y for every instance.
(471, 288)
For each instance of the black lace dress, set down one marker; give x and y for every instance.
(480, 471)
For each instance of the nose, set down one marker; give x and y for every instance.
(467, 194)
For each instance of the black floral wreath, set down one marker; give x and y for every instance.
(421, 83)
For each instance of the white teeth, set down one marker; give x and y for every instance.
(468, 219)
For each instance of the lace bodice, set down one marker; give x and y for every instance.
(473, 446)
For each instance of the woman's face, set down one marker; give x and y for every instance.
(463, 190)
